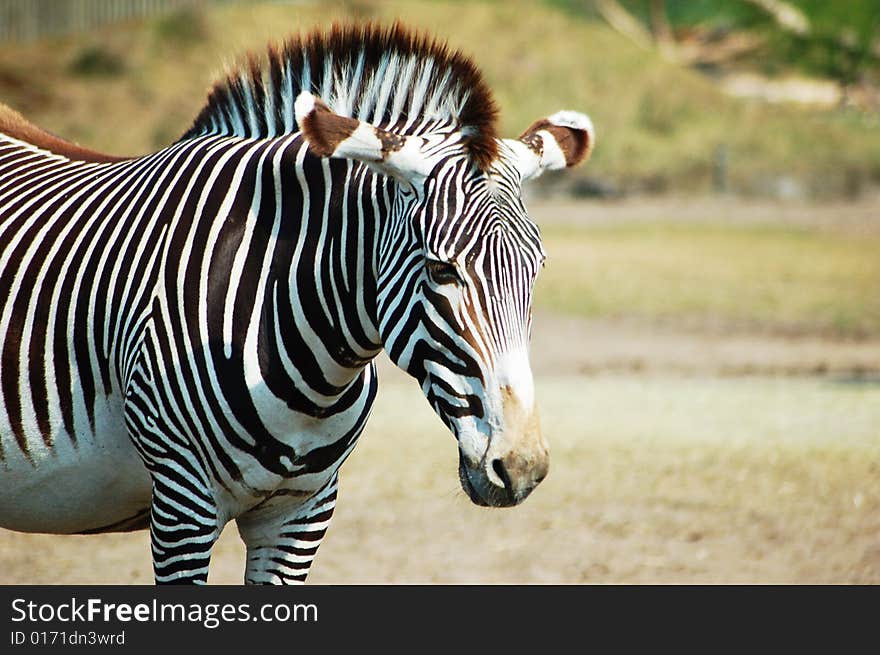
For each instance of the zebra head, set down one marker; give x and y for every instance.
(456, 265)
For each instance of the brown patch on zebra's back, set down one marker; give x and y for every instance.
(15, 125)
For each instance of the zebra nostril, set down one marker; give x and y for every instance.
(501, 472)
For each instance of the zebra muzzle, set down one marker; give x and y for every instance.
(516, 462)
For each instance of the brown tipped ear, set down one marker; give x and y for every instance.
(564, 139)
(323, 129)
(331, 135)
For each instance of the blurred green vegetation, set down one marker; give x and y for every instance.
(787, 280)
(185, 26)
(95, 61)
(659, 124)
(841, 42)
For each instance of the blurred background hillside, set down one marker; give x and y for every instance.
(756, 97)
(706, 339)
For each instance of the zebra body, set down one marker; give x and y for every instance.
(187, 337)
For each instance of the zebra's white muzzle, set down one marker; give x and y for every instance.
(516, 461)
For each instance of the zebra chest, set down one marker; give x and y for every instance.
(257, 445)
(307, 453)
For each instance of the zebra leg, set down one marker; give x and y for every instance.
(183, 514)
(282, 539)
(183, 529)
(184, 520)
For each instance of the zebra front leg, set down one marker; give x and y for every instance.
(282, 535)
(184, 521)
(183, 529)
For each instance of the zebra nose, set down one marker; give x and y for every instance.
(516, 475)
(518, 457)
(504, 477)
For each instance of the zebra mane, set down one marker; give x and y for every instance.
(391, 77)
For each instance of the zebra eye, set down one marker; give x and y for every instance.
(442, 272)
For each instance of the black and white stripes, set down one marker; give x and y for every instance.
(187, 336)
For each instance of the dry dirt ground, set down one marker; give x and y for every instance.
(659, 477)
(677, 458)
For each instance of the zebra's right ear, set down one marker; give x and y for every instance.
(331, 135)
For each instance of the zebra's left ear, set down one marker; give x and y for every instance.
(562, 140)
(332, 135)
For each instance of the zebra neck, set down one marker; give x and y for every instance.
(332, 258)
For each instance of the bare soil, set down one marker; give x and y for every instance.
(572, 345)
(663, 472)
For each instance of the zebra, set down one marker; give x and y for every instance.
(188, 337)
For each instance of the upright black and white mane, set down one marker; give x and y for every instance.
(391, 77)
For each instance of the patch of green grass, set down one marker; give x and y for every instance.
(181, 27)
(96, 61)
(783, 279)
